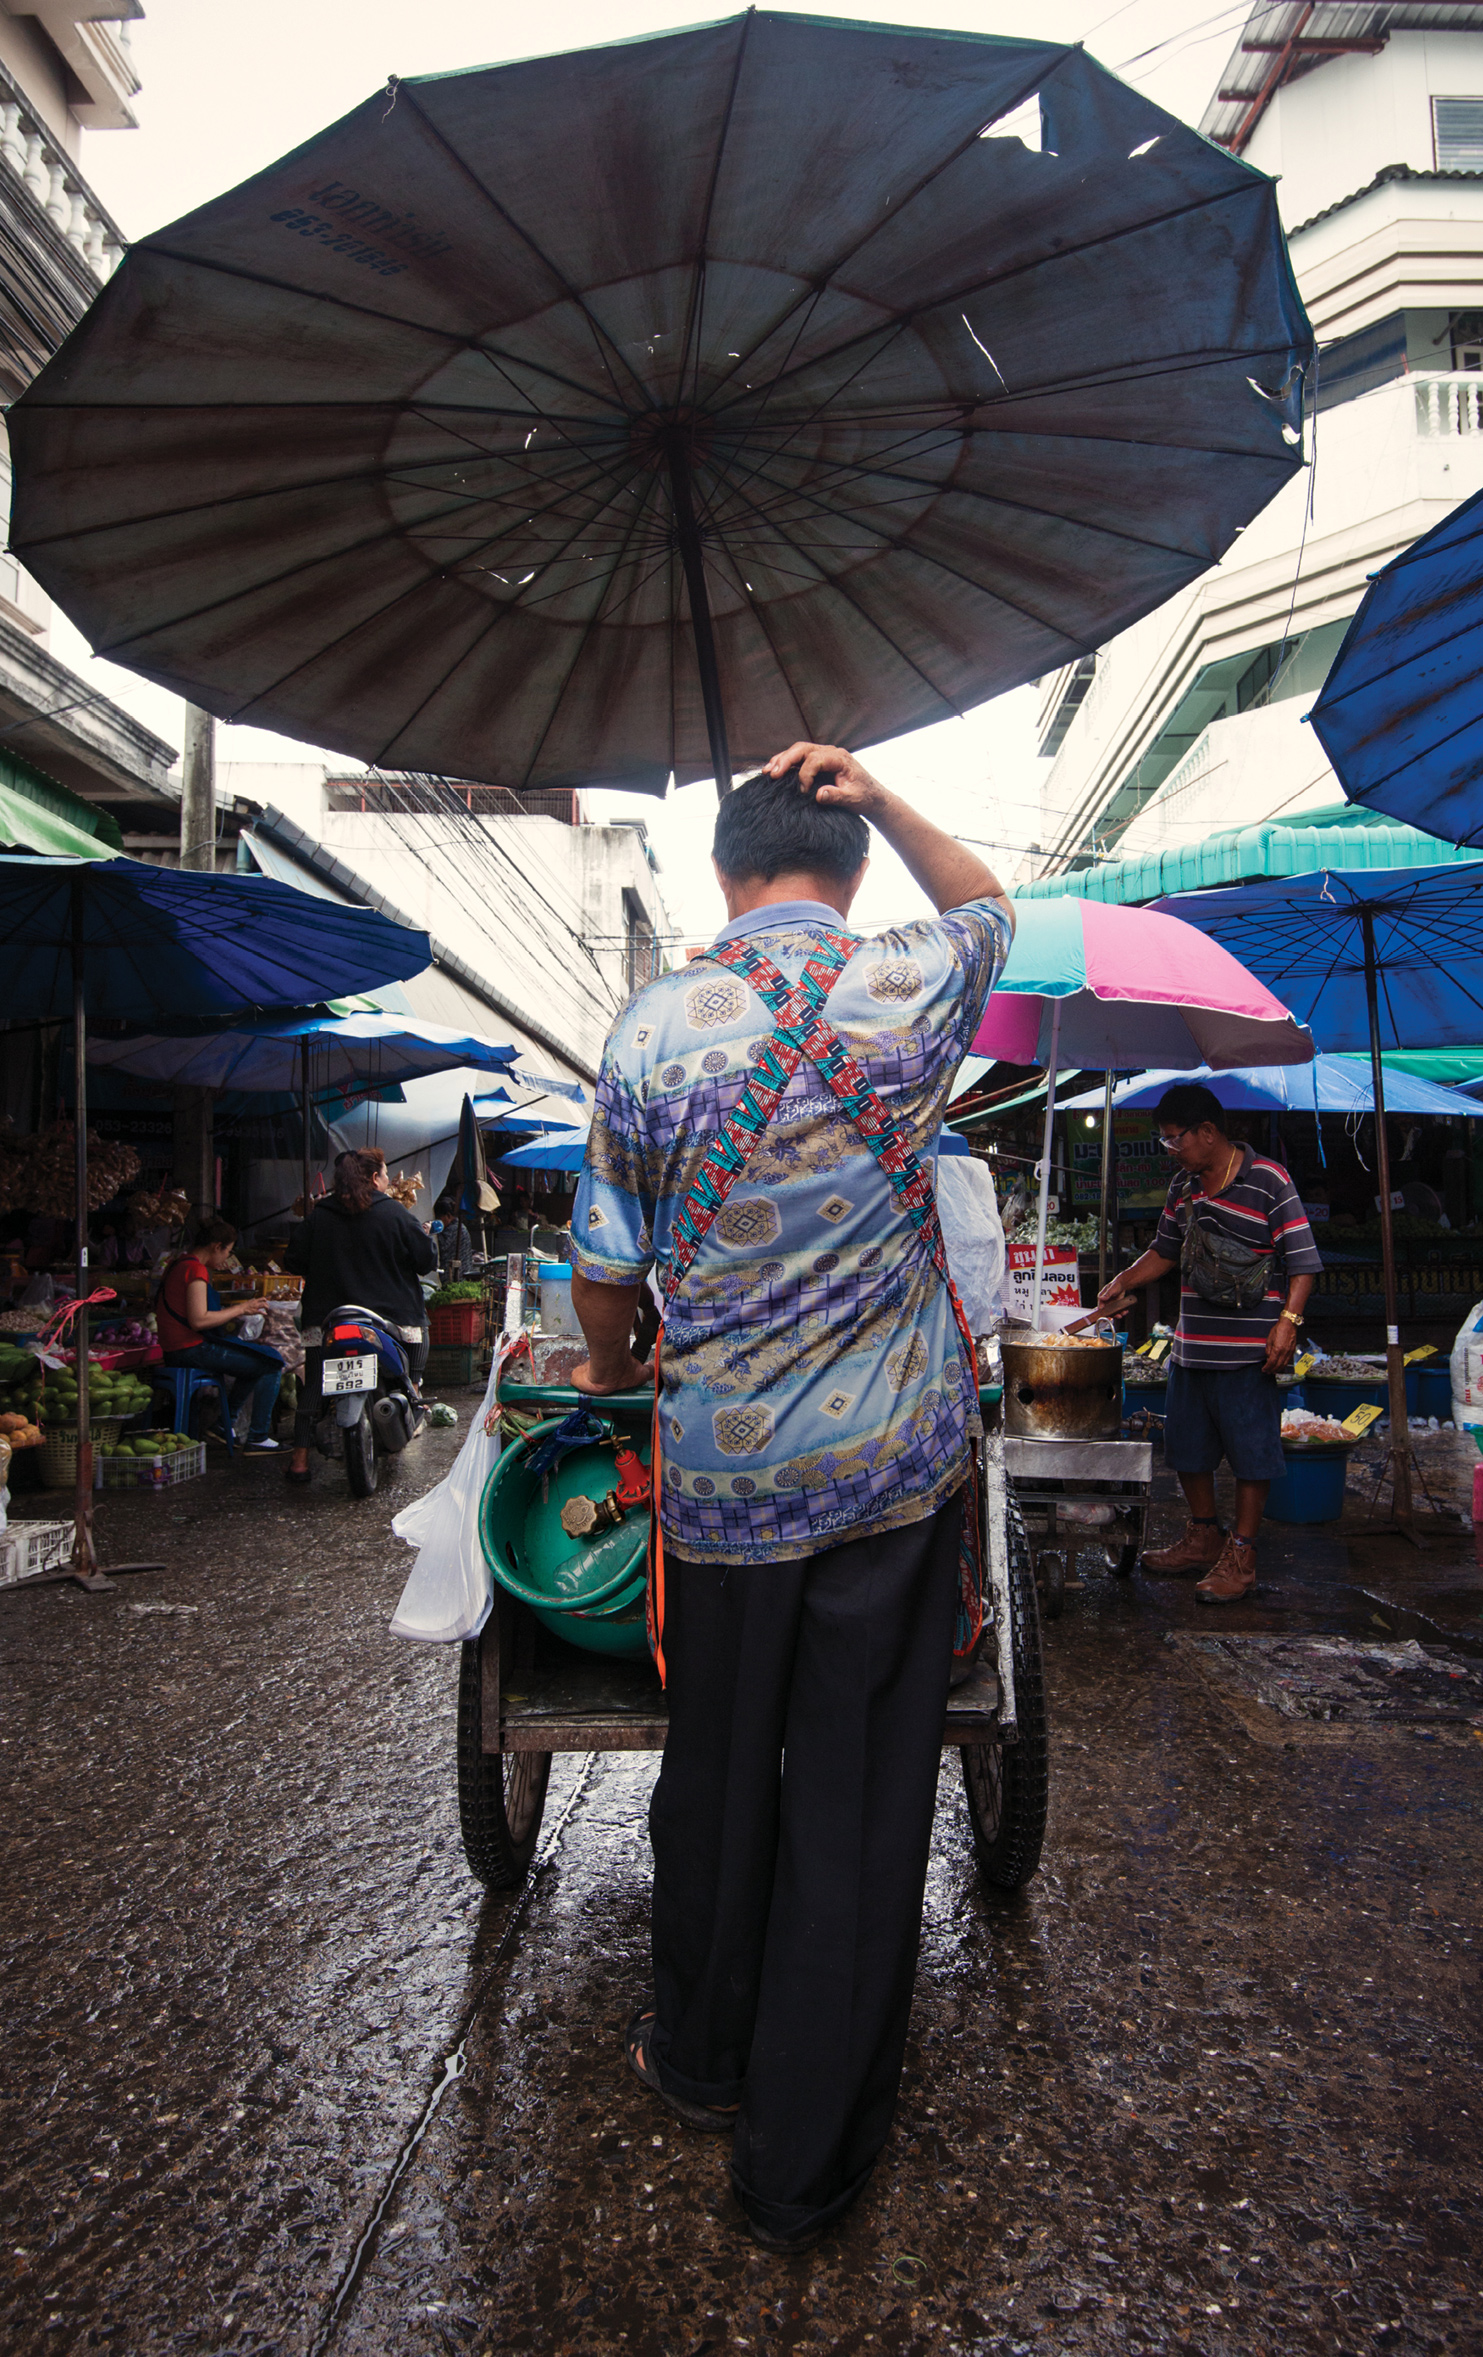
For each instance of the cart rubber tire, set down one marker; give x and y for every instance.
(501, 1795)
(1126, 1558)
(1007, 1785)
(1053, 1566)
(362, 1467)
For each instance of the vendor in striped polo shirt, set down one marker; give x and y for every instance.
(1235, 1229)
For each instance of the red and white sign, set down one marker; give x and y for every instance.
(1060, 1290)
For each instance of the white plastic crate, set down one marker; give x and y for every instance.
(162, 1471)
(27, 1547)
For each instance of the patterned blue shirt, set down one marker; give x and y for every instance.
(814, 1388)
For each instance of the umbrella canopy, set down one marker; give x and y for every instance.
(1401, 713)
(1123, 987)
(159, 943)
(1330, 1084)
(1305, 936)
(839, 375)
(26, 825)
(475, 1195)
(561, 1150)
(347, 1053)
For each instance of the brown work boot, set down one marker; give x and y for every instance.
(1198, 1550)
(1234, 1575)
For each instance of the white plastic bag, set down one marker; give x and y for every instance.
(1467, 1370)
(449, 1593)
(974, 1236)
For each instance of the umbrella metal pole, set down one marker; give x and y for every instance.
(304, 1108)
(1400, 1436)
(1045, 1155)
(1102, 1239)
(692, 557)
(84, 1554)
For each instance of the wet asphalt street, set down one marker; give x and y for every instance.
(277, 2075)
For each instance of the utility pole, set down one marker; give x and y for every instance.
(195, 1155)
(198, 794)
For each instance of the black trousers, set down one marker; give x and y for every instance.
(791, 1824)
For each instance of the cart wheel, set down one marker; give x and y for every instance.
(361, 1467)
(1052, 1569)
(1007, 1784)
(1126, 1558)
(501, 1795)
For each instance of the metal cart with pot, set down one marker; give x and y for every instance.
(527, 1692)
(1077, 1482)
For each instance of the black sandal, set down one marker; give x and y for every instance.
(299, 1480)
(695, 2115)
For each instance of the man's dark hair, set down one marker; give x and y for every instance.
(1189, 1105)
(768, 828)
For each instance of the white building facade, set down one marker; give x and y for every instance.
(1371, 118)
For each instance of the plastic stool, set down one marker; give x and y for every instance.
(184, 1383)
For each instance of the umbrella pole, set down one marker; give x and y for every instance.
(1102, 1238)
(692, 557)
(84, 1554)
(1047, 1144)
(1400, 1436)
(304, 1109)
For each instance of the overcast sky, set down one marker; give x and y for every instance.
(229, 87)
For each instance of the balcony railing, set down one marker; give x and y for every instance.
(38, 160)
(1450, 403)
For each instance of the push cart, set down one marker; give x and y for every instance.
(525, 1694)
(1056, 1482)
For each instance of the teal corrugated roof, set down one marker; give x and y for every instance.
(1337, 836)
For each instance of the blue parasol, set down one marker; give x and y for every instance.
(1401, 713)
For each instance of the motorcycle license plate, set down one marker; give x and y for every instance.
(341, 1375)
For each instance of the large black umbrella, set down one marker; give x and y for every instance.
(619, 414)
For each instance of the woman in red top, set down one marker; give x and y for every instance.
(190, 1320)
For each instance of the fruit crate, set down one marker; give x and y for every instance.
(58, 1451)
(454, 1363)
(458, 1325)
(162, 1471)
(29, 1547)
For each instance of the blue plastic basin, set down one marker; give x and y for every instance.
(1312, 1488)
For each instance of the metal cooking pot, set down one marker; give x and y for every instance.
(1075, 1393)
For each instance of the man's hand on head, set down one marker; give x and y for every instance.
(833, 776)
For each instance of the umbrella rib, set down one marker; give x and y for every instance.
(292, 572)
(822, 280)
(413, 589)
(954, 297)
(587, 629)
(385, 319)
(600, 336)
(952, 489)
(828, 582)
(759, 617)
(502, 613)
(696, 307)
(924, 556)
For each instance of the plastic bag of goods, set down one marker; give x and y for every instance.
(449, 1592)
(1467, 1370)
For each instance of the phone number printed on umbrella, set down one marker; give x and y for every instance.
(364, 212)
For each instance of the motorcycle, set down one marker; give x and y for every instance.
(372, 1407)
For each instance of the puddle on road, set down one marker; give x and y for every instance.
(1343, 1681)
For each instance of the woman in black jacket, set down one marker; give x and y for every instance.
(359, 1245)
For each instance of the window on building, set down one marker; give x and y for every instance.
(640, 949)
(1467, 340)
(1457, 134)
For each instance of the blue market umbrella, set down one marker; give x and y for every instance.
(560, 1150)
(1366, 957)
(1330, 1084)
(1401, 713)
(349, 1052)
(119, 939)
(598, 418)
